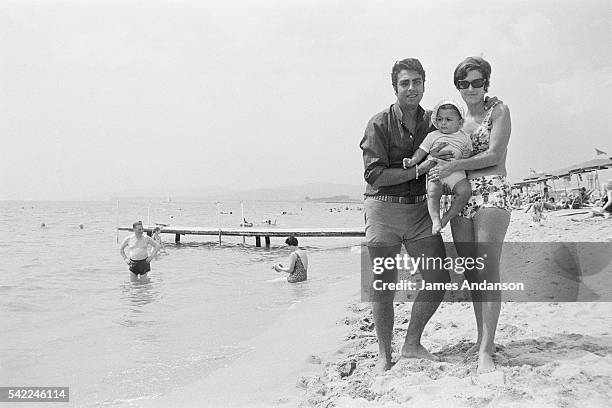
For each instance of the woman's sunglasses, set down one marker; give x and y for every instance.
(477, 83)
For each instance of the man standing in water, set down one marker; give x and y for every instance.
(138, 245)
(396, 207)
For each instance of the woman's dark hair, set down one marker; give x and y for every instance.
(291, 241)
(473, 64)
(409, 64)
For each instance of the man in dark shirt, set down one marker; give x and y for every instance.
(396, 207)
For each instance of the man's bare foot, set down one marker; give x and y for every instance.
(383, 365)
(418, 352)
(485, 363)
(436, 227)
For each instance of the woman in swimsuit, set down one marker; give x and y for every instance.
(298, 262)
(480, 228)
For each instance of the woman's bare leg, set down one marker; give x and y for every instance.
(463, 237)
(490, 226)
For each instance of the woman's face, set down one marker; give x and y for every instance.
(472, 95)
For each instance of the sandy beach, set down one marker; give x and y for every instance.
(549, 354)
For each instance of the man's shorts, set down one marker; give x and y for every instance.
(139, 267)
(390, 224)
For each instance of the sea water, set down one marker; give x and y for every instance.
(70, 316)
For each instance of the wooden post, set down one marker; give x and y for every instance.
(177, 238)
(267, 241)
(257, 241)
(219, 237)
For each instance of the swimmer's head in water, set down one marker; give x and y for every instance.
(291, 241)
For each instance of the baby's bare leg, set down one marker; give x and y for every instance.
(463, 192)
(434, 193)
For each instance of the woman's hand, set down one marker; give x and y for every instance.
(489, 102)
(441, 170)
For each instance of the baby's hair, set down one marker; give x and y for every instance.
(448, 106)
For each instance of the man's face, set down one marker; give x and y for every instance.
(138, 229)
(410, 88)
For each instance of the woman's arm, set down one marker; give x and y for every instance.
(498, 143)
(289, 269)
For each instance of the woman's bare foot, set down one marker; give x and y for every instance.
(485, 363)
(383, 365)
(418, 352)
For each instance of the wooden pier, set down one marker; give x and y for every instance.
(256, 232)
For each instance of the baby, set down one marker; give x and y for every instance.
(447, 117)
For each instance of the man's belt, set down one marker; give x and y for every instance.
(400, 200)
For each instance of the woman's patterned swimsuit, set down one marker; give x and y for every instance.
(299, 271)
(491, 191)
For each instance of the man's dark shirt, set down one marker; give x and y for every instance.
(386, 143)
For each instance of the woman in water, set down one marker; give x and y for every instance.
(298, 262)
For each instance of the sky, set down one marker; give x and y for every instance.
(98, 97)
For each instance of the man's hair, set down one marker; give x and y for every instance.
(136, 223)
(473, 64)
(409, 64)
(291, 241)
(449, 106)
(156, 229)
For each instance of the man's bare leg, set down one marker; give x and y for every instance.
(426, 302)
(382, 308)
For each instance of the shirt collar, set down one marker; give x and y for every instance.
(398, 112)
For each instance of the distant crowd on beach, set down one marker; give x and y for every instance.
(595, 202)
(573, 199)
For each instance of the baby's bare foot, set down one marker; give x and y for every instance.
(436, 227)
